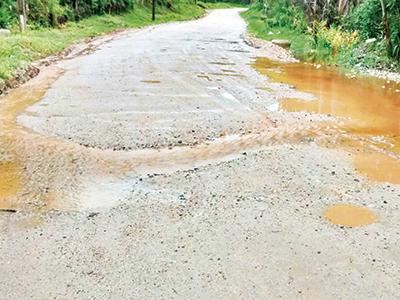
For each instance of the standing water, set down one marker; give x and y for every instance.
(45, 172)
(368, 109)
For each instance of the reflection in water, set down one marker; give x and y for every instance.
(370, 109)
(349, 215)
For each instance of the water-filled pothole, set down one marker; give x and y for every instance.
(349, 215)
(369, 109)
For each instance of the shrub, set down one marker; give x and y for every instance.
(334, 38)
(394, 22)
(84, 8)
(44, 13)
(7, 13)
(366, 19)
(284, 14)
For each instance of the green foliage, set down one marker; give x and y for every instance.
(366, 19)
(217, 4)
(370, 55)
(84, 8)
(301, 44)
(333, 38)
(335, 31)
(7, 13)
(278, 20)
(393, 7)
(283, 13)
(44, 12)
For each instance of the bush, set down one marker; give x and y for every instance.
(333, 38)
(394, 21)
(370, 55)
(44, 13)
(366, 19)
(284, 14)
(84, 8)
(7, 13)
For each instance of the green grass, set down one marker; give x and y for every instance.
(300, 42)
(302, 46)
(18, 50)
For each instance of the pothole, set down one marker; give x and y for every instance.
(349, 215)
(368, 113)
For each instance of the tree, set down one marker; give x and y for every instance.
(386, 29)
(22, 14)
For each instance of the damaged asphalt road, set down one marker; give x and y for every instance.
(155, 168)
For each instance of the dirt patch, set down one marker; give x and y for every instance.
(268, 49)
(21, 77)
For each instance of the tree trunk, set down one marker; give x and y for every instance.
(21, 14)
(153, 11)
(386, 29)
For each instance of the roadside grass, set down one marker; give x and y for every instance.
(300, 42)
(18, 50)
(359, 55)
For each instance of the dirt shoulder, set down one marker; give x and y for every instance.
(269, 49)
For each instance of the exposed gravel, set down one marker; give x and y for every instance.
(212, 233)
(387, 75)
(242, 221)
(268, 49)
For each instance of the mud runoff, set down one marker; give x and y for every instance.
(45, 173)
(368, 112)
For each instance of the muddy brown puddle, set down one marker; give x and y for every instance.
(40, 172)
(368, 110)
(45, 173)
(349, 215)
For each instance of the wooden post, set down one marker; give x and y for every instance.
(153, 16)
(21, 14)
